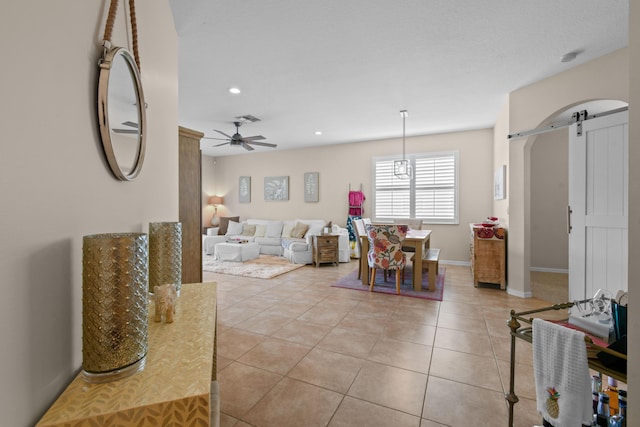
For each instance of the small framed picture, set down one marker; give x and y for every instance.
(499, 183)
(276, 188)
(244, 189)
(311, 184)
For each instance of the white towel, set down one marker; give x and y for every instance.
(560, 362)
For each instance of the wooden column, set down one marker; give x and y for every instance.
(190, 199)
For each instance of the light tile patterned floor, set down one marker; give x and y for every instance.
(293, 351)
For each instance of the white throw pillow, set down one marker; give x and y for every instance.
(261, 230)
(286, 230)
(234, 228)
(212, 231)
(274, 229)
(249, 229)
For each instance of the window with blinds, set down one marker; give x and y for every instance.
(431, 194)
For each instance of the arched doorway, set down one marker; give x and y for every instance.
(546, 184)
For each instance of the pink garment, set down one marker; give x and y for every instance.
(356, 199)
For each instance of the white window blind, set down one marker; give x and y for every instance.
(430, 195)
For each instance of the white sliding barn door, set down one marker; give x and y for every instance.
(598, 200)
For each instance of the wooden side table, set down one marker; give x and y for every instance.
(325, 249)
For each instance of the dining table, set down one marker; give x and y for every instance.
(417, 239)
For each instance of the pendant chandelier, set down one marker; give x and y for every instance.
(401, 168)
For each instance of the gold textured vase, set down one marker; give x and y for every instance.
(165, 254)
(115, 279)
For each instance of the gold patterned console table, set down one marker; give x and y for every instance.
(174, 387)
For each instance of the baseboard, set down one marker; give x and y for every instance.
(519, 294)
(549, 270)
(450, 262)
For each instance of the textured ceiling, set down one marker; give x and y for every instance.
(347, 67)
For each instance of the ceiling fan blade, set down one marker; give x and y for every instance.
(247, 147)
(254, 138)
(130, 123)
(218, 145)
(264, 144)
(130, 131)
(219, 131)
(219, 139)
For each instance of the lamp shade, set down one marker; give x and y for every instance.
(216, 200)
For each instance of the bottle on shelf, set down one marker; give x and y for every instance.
(603, 409)
(596, 388)
(615, 421)
(622, 404)
(612, 392)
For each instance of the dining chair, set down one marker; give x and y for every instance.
(367, 221)
(359, 230)
(385, 251)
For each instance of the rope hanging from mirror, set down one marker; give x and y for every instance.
(111, 18)
(121, 106)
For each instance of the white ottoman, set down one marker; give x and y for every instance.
(229, 251)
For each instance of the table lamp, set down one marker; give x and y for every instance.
(215, 201)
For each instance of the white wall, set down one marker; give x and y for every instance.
(55, 186)
(501, 157)
(549, 199)
(350, 164)
(209, 189)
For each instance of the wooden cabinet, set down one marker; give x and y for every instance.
(174, 388)
(190, 203)
(488, 255)
(325, 249)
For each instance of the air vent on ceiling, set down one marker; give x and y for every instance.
(248, 118)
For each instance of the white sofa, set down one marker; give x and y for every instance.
(274, 238)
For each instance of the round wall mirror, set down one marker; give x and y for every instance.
(121, 113)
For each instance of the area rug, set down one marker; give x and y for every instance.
(351, 281)
(264, 267)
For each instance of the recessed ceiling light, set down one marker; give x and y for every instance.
(318, 132)
(234, 90)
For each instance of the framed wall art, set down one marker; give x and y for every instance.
(244, 189)
(499, 179)
(276, 188)
(311, 184)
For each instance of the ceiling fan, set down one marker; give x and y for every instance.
(238, 139)
(132, 125)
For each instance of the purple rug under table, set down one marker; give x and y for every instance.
(351, 281)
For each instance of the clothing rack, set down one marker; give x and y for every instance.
(356, 200)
